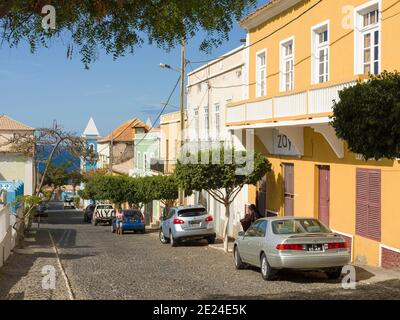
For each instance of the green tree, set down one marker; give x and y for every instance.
(118, 27)
(223, 180)
(75, 178)
(166, 190)
(107, 188)
(56, 176)
(367, 116)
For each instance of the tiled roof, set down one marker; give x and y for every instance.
(9, 124)
(124, 132)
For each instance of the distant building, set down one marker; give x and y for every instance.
(116, 150)
(91, 134)
(170, 140)
(16, 166)
(147, 149)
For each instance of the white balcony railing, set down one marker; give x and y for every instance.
(307, 103)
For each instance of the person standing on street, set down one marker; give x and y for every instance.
(119, 221)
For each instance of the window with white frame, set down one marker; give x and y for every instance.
(261, 74)
(206, 122)
(367, 39)
(287, 65)
(320, 40)
(138, 160)
(196, 122)
(217, 120)
(145, 161)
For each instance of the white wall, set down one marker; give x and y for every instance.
(5, 235)
(18, 167)
(219, 83)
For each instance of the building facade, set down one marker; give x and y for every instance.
(300, 55)
(170, 125)
(116, 151)
(15, 166)
(210, 88)
(147, 147)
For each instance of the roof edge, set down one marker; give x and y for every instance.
(266, 12)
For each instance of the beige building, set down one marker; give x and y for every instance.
(170, 125)
(210, 88)
(121, 140)
(15, 166)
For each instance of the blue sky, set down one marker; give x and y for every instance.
(38, 88)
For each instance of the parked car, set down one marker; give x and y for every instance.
(280, 243)
(88, 213)
(41, 210)
(133, 221)
(69, 203)
(103, 213)
(187, 223)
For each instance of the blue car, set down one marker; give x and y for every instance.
(133, 221)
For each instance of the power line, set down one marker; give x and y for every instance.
(219, 87)
(261, 39)
(162, 110)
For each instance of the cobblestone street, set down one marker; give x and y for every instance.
(100, 265)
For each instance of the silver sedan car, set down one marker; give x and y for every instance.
(280, 243)
(187, 223)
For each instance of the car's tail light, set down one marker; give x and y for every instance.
(336, 245)
(291, 246)
(209, 219)
(178, 221)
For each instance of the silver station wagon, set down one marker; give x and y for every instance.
(280, 243)
(187, 223)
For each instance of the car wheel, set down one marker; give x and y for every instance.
(334, 274)
(162, 237)
(211, 240)
(238, 260)
(172, 240)
(266, 271)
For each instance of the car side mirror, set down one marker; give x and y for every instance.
(241, 233)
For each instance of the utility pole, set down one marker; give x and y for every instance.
(182, 110)
(111, 152)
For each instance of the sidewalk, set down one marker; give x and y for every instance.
(219, 245)
(21, 276)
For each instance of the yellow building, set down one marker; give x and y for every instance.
(170, 126)
(300, 54)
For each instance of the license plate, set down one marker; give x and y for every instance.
(194, 224)
(315, 248)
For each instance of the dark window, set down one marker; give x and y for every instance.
(195, 212)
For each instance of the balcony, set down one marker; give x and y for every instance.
(316, 102)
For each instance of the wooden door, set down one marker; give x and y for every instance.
(323, 194)
(288, 173)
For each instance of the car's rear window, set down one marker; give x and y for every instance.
(131, 213)
(298, 226)
(195, 212)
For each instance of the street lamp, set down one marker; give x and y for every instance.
(167, 66)
(182, 101)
